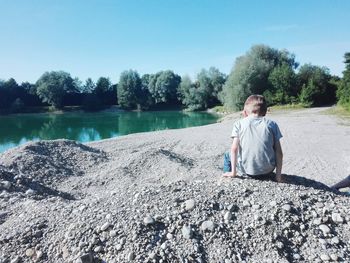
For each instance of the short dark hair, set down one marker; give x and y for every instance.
(256, 104)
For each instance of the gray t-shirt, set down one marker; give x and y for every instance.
(257, 137)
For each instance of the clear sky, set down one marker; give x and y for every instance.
(103, 37)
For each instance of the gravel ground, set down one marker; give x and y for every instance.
(160, 197)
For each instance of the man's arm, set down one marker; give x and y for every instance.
(279, 161)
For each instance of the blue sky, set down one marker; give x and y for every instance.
(103, 37)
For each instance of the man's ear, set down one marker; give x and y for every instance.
(244, 113)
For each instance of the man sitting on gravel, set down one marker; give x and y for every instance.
(256, 149)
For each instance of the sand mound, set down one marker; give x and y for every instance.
(51, 161)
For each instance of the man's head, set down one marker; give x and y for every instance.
(255, 104)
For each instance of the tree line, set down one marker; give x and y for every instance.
(262, 70)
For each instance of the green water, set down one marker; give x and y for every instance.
(85, 127)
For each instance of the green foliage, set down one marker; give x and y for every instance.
(283, 85)
(343, 92)
(163, 87)
(190, 95)
(204, 92)
(52, 86)
(89, 86)
(250, 74)
(129, 87)
(316, 86)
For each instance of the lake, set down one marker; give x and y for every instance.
(84, 127)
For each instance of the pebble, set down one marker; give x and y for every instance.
(335, 240)
(324, 257)
(286, 207)
(105, 226)
(337, 218)
(255, 207)
(148, 220)
(186, 232)
(334, 257)
(6, 185)
(112, 233)
(131, 256)
(325, 229)
(190, 204)
(30, 192)
(208, 226)
(98, 249)
(228, 216)
(29, 252)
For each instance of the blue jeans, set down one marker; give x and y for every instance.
(227, 162)
(228, 168)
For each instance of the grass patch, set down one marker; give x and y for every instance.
(339, 111)
(297, 106)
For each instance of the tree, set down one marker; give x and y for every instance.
(52, 86)
(128, 87)
(89, 86)
(163, 87)
(251, 72)
(190, 95)
(316, 86)
(343, 92)
(283, 85)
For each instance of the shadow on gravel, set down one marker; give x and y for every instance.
(22, 184)
(299, 180)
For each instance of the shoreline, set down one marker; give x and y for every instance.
(111, 199)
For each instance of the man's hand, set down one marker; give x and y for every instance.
(229, 174)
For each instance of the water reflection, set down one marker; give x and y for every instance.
(18, 129)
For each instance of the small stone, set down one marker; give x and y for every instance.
(148, 220)
(324, 257)
(296, 256)
(334, 257)
(164, 245)
(105, 226)
(6, 185)
(186, 232)
(169, 236)
(227, 260)
(286, 207)
(30, 192)
(246, 203)
(39, 254)
(208, 226)
(337, 218)
(131, 256)
(98, 249)
(317, 221)
(273, 203)
(190, 204)
(119, 247)
(325, 229)
(228, 216)
(256, 207)
(29, 252)
(335, 240)
(112, 233)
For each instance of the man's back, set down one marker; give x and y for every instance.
(257, 136)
